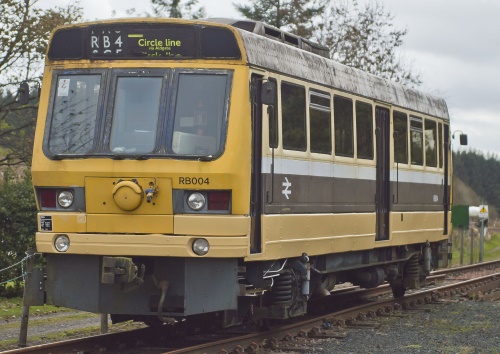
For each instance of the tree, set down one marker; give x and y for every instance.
(295, 16)
(480, 172)
(24, 34)
(177, 9)
(363, 37)
(18, 222)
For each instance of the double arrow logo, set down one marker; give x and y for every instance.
(286, 192)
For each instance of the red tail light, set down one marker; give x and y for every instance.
(218, 200)
(48, 198)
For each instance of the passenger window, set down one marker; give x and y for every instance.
(417, 141)
(430, 143)
(343, 123)
(293, 113)
(440, 144)
(320, 122)
(400, 137)
(364, 130)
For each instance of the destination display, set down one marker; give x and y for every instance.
(142, 42)
(146, 41)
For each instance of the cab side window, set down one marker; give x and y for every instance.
(417, 141)
(400, 137)
(430, 129)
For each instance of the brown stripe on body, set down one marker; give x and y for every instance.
(311, 194)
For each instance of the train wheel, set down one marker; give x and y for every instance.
(268, 324)
(153, 321)
(398, 289)
(202, 323)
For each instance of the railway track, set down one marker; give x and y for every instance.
(347, 307)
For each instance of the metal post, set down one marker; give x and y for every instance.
(104, 323)
(481, 242)
(23, 333)
(461, 230)
(471, 247)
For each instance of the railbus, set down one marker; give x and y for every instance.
(226, 170)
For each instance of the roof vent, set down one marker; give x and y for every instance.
(248, 26)
(271, 32)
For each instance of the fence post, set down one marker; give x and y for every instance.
(481, 243)
(471, 247)
(23, 333)
(461, 245)
(104, 323)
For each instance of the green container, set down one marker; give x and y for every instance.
(460, 216)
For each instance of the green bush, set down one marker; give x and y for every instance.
(12, 289)
(18, 225)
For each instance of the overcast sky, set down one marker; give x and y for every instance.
(454, 44)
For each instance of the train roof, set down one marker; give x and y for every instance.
(275, 50)
(270, 48)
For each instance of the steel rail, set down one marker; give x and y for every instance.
(350, 315)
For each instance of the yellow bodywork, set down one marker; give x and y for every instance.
(150, 228)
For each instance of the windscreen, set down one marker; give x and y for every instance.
(135, 114)
(124, 113)
(199, 114)
(72, 128)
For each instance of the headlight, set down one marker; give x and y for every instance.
(196, 201)
(61, 243)
(65, 199)
(201, 246)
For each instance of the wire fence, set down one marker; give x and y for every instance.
(21, 264)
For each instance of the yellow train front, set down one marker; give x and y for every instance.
(221, 169)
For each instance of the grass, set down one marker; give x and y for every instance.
(52, 337)
(68, 334)
(44, 321)
(12, 308)
(10, 313)
(491, 248)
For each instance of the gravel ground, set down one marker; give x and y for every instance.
(53, 323)
(40, 328)
(56, 327)
(464, 327)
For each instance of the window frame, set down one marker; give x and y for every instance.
(396, 113)
(336, 98)
(372, 149)
(435, 137)
(120, 102)
(104, 74)
(440, 145)
(172, 98)
(110, 106)
(419, 131)
(323, 109)
(304, 117)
